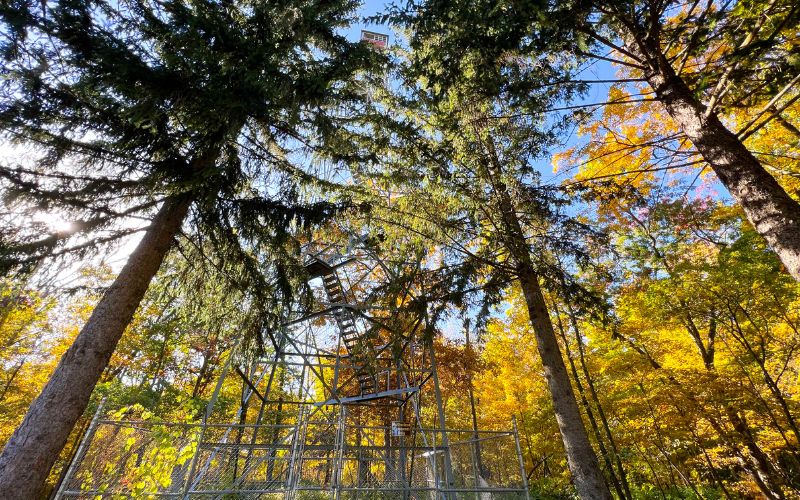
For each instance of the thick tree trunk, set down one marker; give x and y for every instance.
(771, 211)
(588, 408)
(600, 411)
(33, 448)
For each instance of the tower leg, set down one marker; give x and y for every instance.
(448, 464)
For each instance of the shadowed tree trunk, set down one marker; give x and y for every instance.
(587, 407)
(583, 465)
(586, 473)
(33, 448)
(600, 411)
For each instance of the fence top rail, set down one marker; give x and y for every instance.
(283, 489)
(146, 423)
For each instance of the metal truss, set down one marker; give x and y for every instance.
(335, 410)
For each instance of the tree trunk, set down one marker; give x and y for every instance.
(587, 407)
(771, 211)
(600, 412)
(583, 465)
(474, 414)
(33, 448)
(11, 378)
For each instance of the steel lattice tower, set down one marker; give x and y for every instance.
(346, 404)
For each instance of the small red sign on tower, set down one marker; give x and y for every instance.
(377, 39)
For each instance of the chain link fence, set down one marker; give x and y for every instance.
(312, 459)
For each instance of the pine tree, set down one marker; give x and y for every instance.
(195, 116)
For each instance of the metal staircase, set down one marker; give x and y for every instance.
(360, 351)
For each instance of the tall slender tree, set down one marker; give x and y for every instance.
(156, 110)
(466, 182)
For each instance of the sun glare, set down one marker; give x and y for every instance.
(55, 222)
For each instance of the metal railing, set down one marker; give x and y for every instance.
(306, 459)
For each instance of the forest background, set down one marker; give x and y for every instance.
(676, 321)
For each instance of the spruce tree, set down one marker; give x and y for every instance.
(198, 117)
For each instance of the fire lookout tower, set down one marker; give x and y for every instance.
(346, 405)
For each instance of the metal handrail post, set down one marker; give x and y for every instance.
(523, 476)
(342, 436)
(87, 438)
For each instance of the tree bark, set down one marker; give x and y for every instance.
(33, 448)
(600, 411)
(768, 207)
(582, 461)
(587, 477)
(588, 408)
